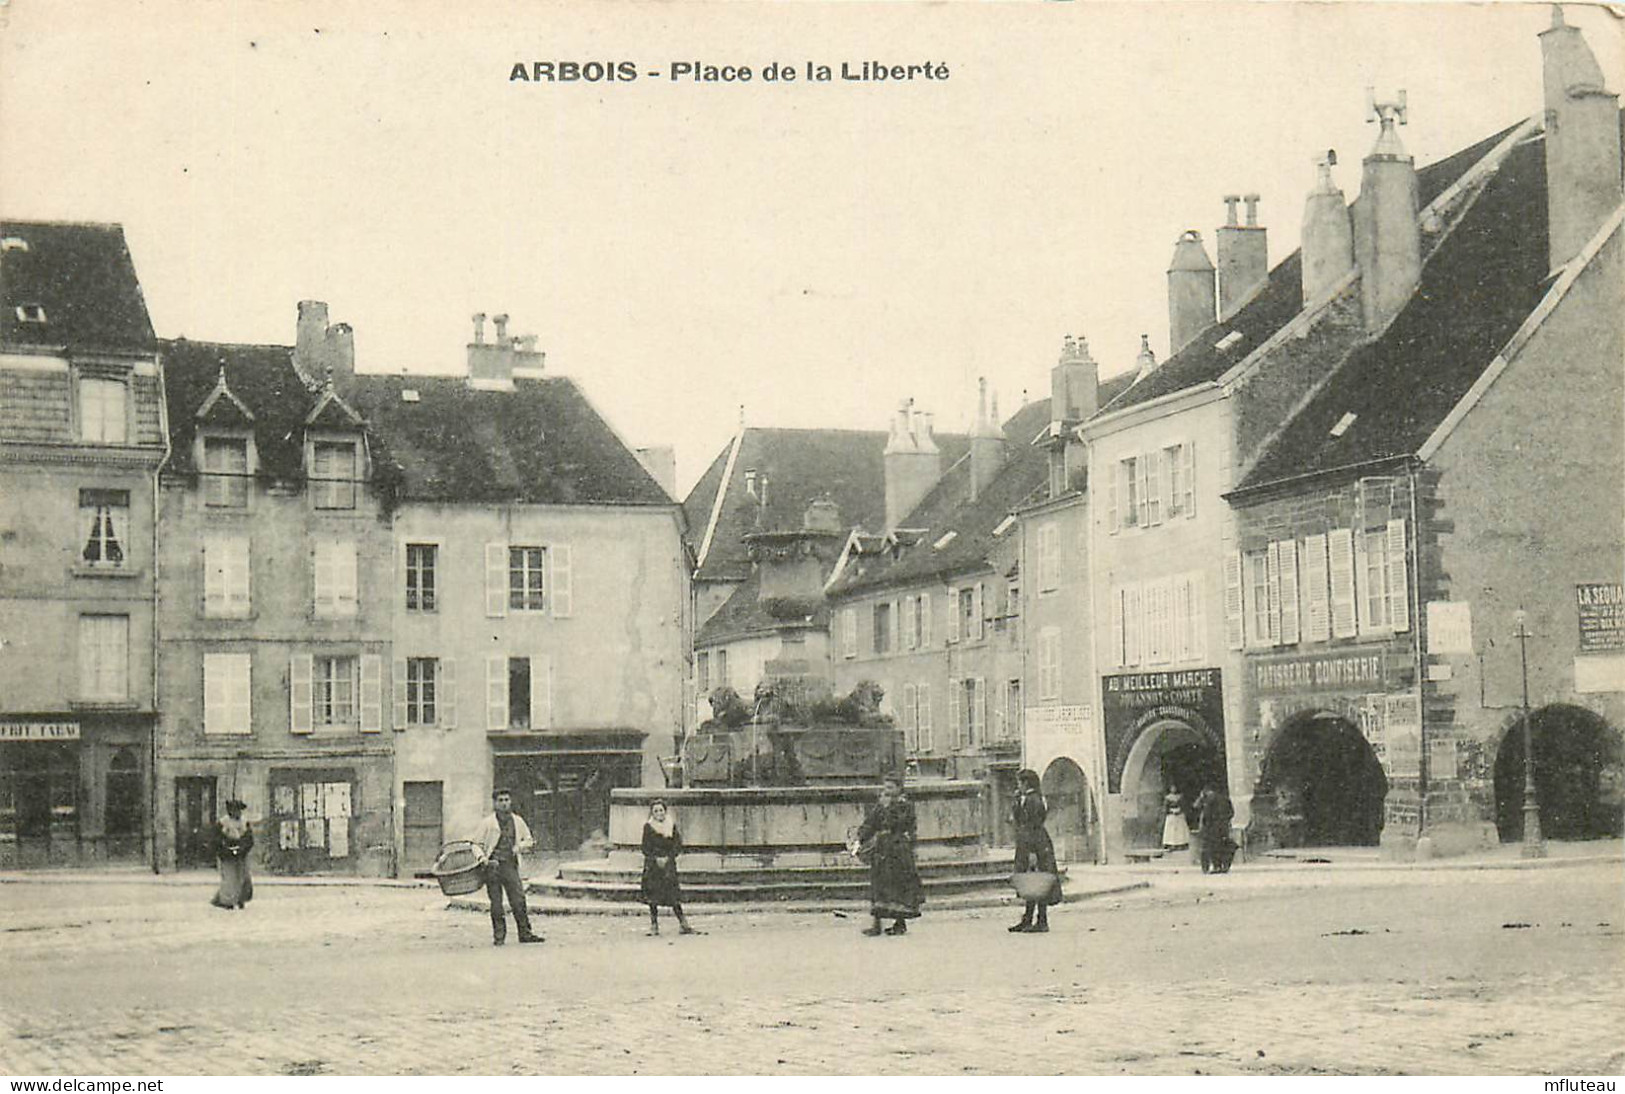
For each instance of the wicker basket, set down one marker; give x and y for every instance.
(460, 869)
(1033, 885)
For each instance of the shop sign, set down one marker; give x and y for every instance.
(39, 731)
(1132, 702)
(1602, 615)
(1402, 733)
(1359, 669)
(1062, 719)
(1450, 627)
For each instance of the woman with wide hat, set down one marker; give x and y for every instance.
(233, 840)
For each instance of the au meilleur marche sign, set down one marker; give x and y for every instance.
(39, 731)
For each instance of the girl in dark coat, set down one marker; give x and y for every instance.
(662, 843)
(1034, 851)
(895, 892)
(233, 840)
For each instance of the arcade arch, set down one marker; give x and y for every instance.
(1320, 785)
(1167, 755)
(1579, 775)
(1073, 820)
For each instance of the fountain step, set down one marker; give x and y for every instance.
(755, 873)
(855, 888)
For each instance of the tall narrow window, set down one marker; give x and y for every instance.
(335, 683)
(104, 658)
(702, 674)
(1374, 591)
(527, 567)
(519, 692)
(102, 415)
(1130, 491)
(420, 576)
(1257, 579)
(882, 628)
(225, 472)
(421, 687)
(334, 474)
(105, 514)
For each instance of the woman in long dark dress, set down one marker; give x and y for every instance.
(233, 840)
(1034, 851)
(662, 843)
(1213, 829)
(894, 879)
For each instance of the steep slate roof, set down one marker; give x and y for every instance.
(947, 507)
(540, 443)
(262, 378)
(83, 276)
(743, 613)
(802, 465)
(1475, 291)
(1276, 304)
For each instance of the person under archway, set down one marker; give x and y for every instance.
(1215, 812)
(1176, 831)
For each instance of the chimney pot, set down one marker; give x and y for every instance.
(1252, 210)
(479, 328)
(1387, 237)
(1230, 203)
(1192, 294)
(501, 324)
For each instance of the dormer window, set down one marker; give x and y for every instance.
(333, 474)
(225, 472)
(103, 416)
(30, 313)
(106, 514)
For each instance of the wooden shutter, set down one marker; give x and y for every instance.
(911, 738)
(559, 573)
(978, 727)
(1153, 486)
(1399, 586)
(1317, 620)
(1182, 618)
(216, 694)
(372, 693)
(541, 692)
(956, 714)
(241, 693)
(1235, 628)
(925, 736)
(1188, 452)
(238, 596)
(445, 693)
(400, 694)
(347, 571)
(496, 693)
(1198, 616)
(849, 632)
(978, 611)
(322, 579)
(496, 583)
(1114, 657)
(1340, 567)
(301, 692)
(953, 614)
(925, 620)
(1112, 471)
(214, 578)
(896, 635)
(1133, 624)
(1288, 550)
(1272, 570)
(910, 637)
(1363, 623)
(1142, 468)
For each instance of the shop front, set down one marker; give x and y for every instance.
(74, 790)
(561, 782)
(1164, 745)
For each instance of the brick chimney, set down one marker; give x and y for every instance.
(1387, 238)
(1074, 382)
(1244, 263)
(493, 365)
(1328, 235)
(1190, 291)
(912, 462)
(986, 442)
(1582, 141)
(323, 351)
(1146, 361)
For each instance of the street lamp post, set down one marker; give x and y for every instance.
(1534, 844)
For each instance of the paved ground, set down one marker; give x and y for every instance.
(1493, 971)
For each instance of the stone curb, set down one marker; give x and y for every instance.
(1332, 869)
(853, 908)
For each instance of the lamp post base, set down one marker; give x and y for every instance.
(1534, 843)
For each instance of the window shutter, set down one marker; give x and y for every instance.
(214, 578)
(925, 737)
(1133, 624)
(1289, 591)
(324, 579)
(911, 739)
(956, 715)
(1114, 657)
(1143, 498)
(400, 694)
(1272, 569)
(496, 693)
(925, 620)
(558, 563)
(1153, 486)
(445, 693)
(300, 693)
(977, 600)
(242, 694)
(953, 614)
(347, 570)
(541, 692)
(896, 635)
(1399, 587)
(238, 597)
(1182, 619)
(496, 585)
(400, 585)
(1317, 622)
(1363, 623)
(1198, 616)
(1235, 631)
(1188, 452)
(1340, 566)
(215, 694)
(978, 727)
(372, 693)
(1112, 472)
(849, 632)
(910, 639)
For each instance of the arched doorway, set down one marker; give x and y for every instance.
(1578, 775)
(1072, 818)
(1321, 785)
(123, 813)
(1168, 755)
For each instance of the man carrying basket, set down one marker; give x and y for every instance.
(504, 836)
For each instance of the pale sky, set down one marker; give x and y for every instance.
(815, 252)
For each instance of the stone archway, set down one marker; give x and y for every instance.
(1168, 754)
(1320, 785)
(1072, 816)
(1579, 775)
